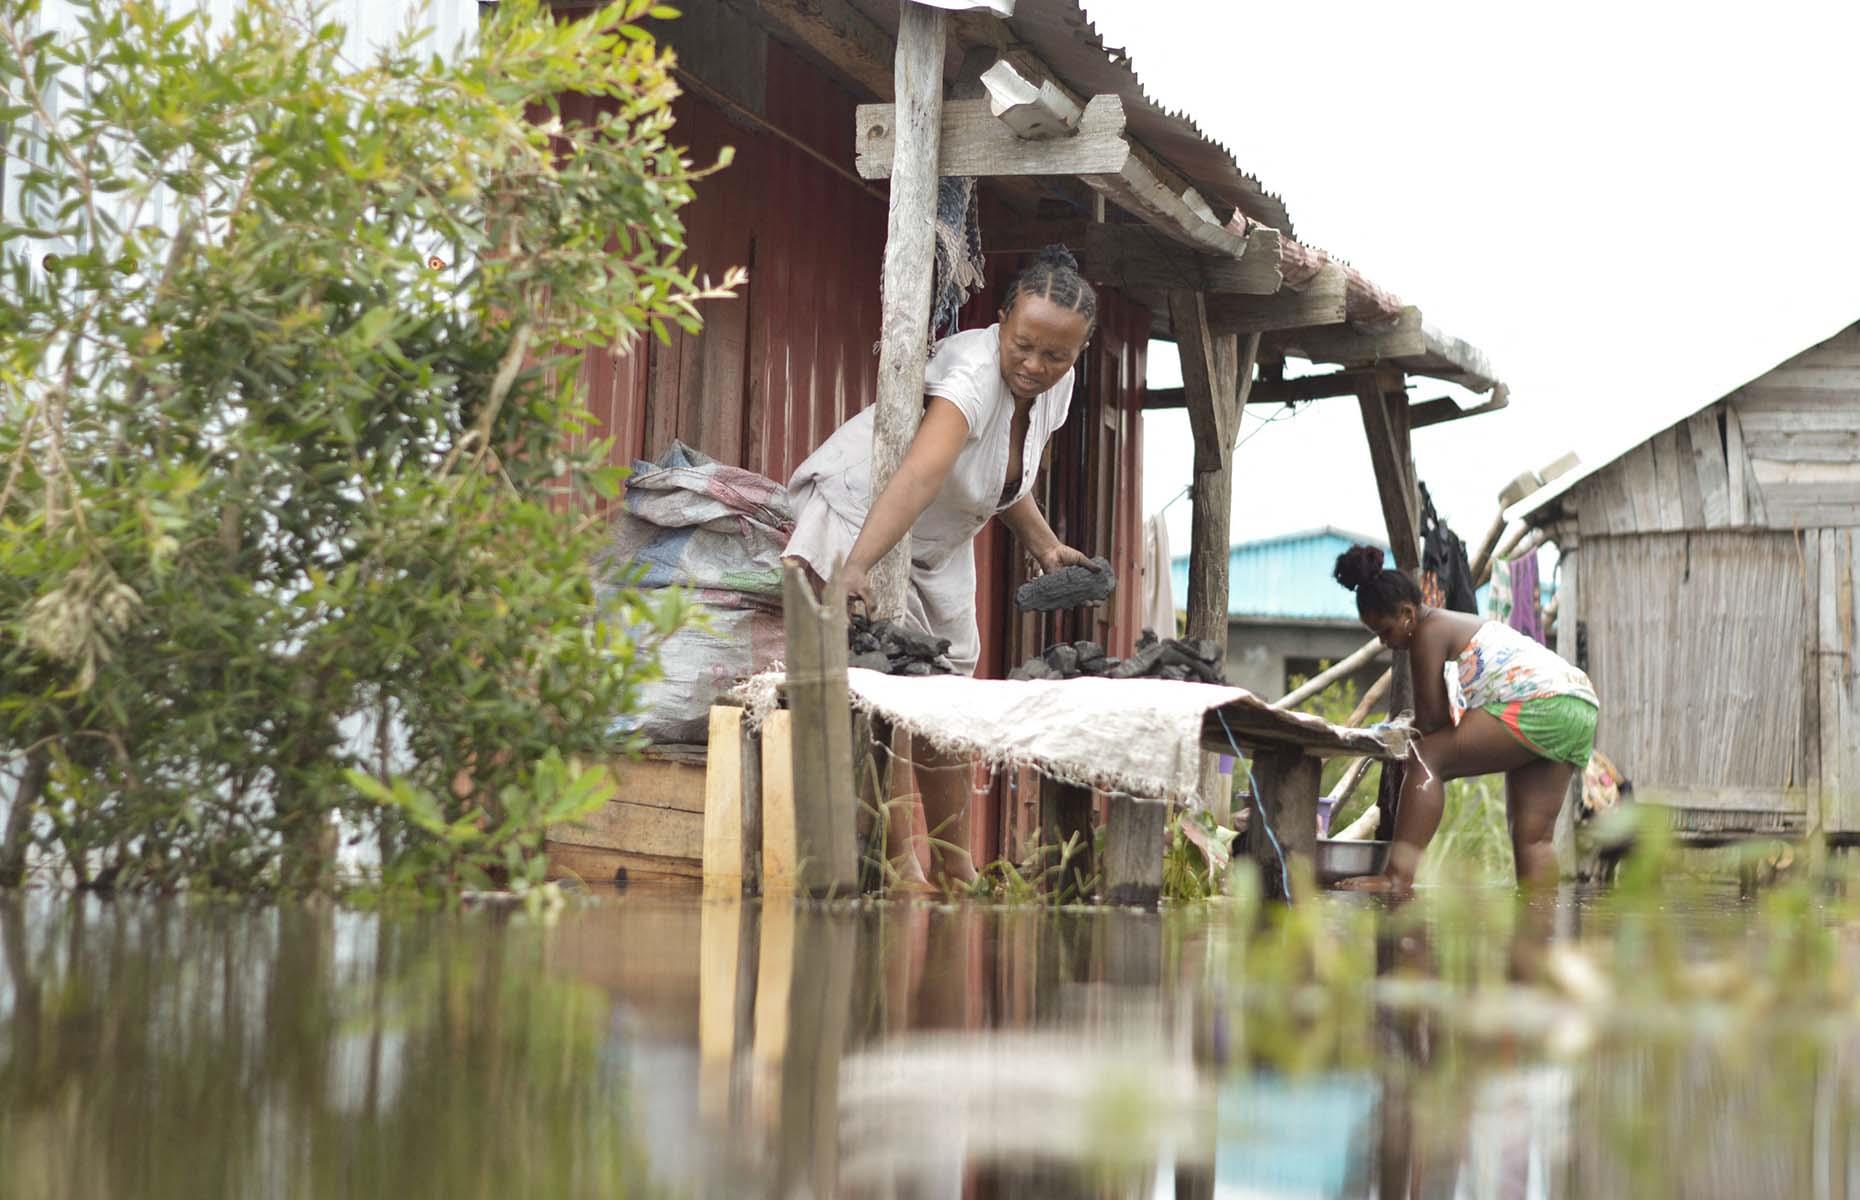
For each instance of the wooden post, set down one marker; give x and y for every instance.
(723, 804)
(910, 267)
(1065, 811)
(827, 859)
(1383, 398)
(1288, 782)
(1133, 850)
(751, 766)
(1568, 599)
(1216, 380)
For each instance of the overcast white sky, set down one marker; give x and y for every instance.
(1630, 207)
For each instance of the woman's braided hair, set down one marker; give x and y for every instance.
(1054, 275)
(1379, 591)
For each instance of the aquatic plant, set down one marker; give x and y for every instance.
(297, 492)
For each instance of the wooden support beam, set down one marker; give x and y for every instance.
(1438, 412)
(1207, 381)
(1140, 256)
(1133, 853)
(1036, 112)
(975, 142)
(1319, 302)
(1312, 387)
(826, 856)
(909, 268)
(1288, 783)
(1384, 412)
(1354, 345)
(1355, 661)
(1138, 191)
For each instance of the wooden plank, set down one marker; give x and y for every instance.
(1207, 382)
(1755, 398)
(1691, 496)
(1791, 420)
(1143, 256)
(601, 865)
(1065, 817)
(825, 801)
(780, 851)
(1439, 412)
(638, 829)
(723, 803)
(1666, 466)
(1804, 378)
(1456, 359)
(1311, 387)
(1735, 799)
(750, 756)
(1037, 112)
(1842, 816)
(659, 783)
(975, 142)
(1286, 803)
(909, 267)
(1133, 850)
(1353, 345)
(1319, 302)
(1640, 479)
(1808, 549)
(1138, 191)
(1832, 656)
(1755, 505)
(1708, 460)
(1802, 445)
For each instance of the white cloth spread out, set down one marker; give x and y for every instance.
(1137, 736)
(832, 490)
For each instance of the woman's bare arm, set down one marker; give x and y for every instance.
(1427, 659)
(920, 477)
(1028, 524)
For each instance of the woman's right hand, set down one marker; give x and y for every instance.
(858, 585)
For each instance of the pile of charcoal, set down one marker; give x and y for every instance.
(1076, 586)
(894, 649)
(1174, 658)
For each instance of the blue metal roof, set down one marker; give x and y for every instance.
(1285, 577)
(1288, 577)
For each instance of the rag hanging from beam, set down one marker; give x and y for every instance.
(960, 266)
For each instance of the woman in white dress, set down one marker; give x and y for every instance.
(992, 399)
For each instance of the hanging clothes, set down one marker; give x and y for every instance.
(1157, 598)
(1526, 603)
(1498, 593)
(1443, 561)
(960, 268)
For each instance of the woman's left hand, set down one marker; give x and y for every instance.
(1060, 557)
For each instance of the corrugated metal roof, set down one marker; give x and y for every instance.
(1286, 577)
(1063, 37)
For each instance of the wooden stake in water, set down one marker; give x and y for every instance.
(823, 785)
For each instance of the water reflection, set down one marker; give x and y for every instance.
(648, 1046)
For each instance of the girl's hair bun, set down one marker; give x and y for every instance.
(1057, 255)
(1358, 565)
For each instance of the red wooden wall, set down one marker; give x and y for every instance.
(776, 370)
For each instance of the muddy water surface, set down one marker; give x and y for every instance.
(644, 1045)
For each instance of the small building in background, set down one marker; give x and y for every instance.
(1286, 616)
(1709, 580)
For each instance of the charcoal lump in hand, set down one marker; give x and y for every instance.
(1076, 586)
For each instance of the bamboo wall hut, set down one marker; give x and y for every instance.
(1708, 582)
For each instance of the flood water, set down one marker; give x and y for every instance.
(643, 1045)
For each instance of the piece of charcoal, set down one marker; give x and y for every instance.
(1088, 651)
(942, 665)
(1142, 663)
(871, 660)
(901, 639)
(1173, 671)
(1033, 668)
(1104, 666)
(1076, 586)
(916, 667)
(1205, 650)
(1063, 659)
(1146, 639)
